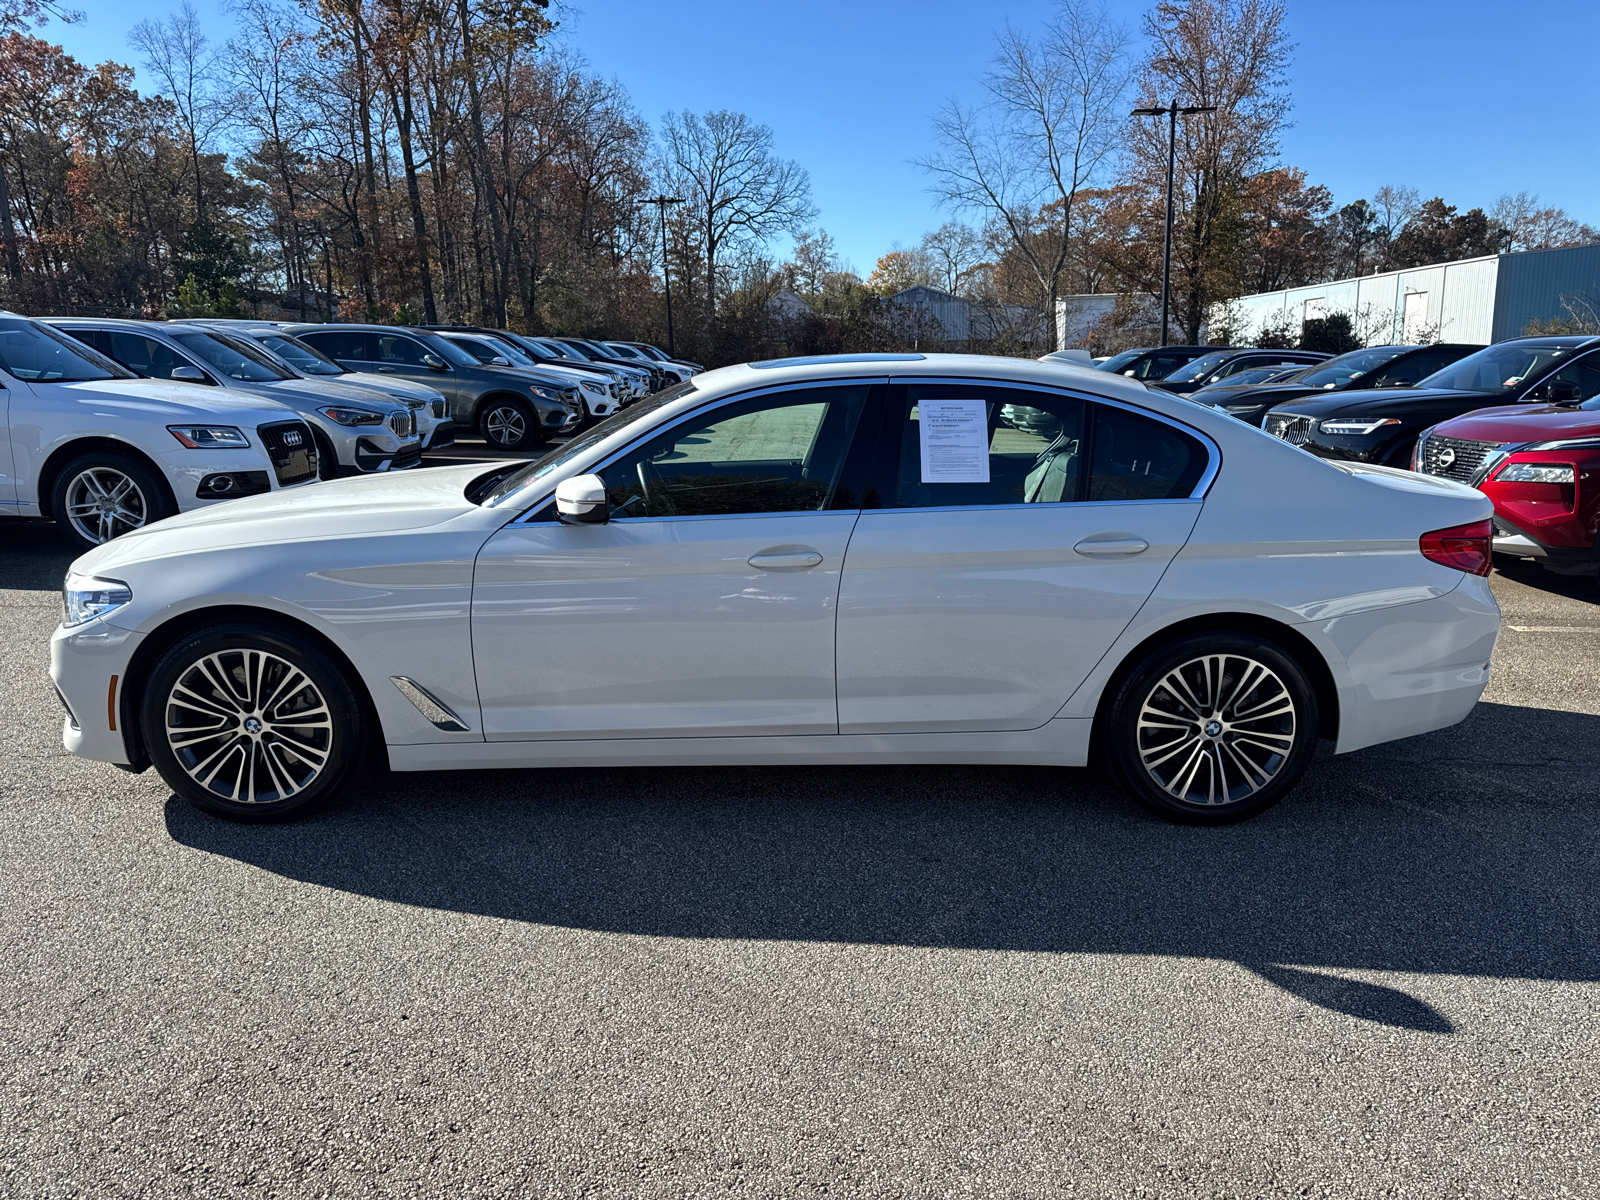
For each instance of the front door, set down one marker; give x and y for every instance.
(1001, 569)
(704, 607)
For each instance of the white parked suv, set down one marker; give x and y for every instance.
(103, 451)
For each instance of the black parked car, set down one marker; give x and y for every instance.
(1224, 364)
(1152, 362)
(1374, 367)
(1381, 426)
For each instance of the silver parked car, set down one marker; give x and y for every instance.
(432, 410)
(357, 432)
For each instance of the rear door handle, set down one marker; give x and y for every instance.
(786, 558)
(1115, 545)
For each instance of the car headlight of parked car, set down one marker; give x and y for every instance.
(1360, 426)
(351, 416)
(209, 437)
(85, 597)
(545, 393)
(1527, 472)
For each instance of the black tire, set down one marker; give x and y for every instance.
(293, 759)
(1193, 761)
(509, 423)
(147, 498)
(327, 456)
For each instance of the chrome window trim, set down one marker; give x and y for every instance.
(1201, 486)
(710, 403)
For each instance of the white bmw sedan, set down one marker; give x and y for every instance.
(863, 559)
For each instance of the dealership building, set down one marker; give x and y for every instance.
(1475, 300)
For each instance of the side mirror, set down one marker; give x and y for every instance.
(1557, 391)
(581, 500)
(434, 363)
(188, 375)
(1129, 374)
(498, 361)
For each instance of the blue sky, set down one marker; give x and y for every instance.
(1461, 98)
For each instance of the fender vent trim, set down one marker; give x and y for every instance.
(437, 713)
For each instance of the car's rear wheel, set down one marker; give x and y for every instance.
(1213, 728)
(251, 722)
(508, 423)
(104, 495)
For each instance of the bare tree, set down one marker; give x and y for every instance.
(954, 251)
(1048, 128)
(1395, 206)
(739, 192)
(1531, 227)
(1230, 55)
(178, 54)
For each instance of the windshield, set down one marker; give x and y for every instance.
(1347, 368)
(484, 349)
(1199, 368)
(40, 354)
(1253, 375)
(445, 349)
(518, 480)
(624, 351)
(1498, 368)
(1118, 362)
(651, 352)
(562, 350)
(299, 355)
(235, 359)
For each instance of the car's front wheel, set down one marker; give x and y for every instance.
(1213, 728)
(508, 423)
(251, 722)
(106, 494)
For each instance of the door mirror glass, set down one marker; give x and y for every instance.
(188, 375)
(581, 500)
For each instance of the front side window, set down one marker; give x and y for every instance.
(150, 358)
(771, 454)
(394, 348)
(42, 355)
(1584, 372)
(230, 359)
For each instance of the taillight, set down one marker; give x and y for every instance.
(1465, 547)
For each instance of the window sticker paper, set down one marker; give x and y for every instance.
(955, 440)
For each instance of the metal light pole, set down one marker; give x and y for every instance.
(661, 202)
(1171, 113)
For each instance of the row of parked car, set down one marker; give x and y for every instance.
(112, 424)
(1519, 420)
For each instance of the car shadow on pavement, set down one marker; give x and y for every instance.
(1582, 588)
(1471, 851)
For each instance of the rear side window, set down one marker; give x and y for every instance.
(347, 344)
(1137, 458)
(978, 444)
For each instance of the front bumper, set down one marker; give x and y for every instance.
(444, 434)
(89, 665)
(187, 470)
(372, 456)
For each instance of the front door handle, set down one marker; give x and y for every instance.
(386, 370)
(1112, 545)
(786, 558)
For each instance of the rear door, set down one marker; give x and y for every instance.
(1019, 533)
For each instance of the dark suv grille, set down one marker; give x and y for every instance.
(293, 453)
(1291, 428)
(1454, 458)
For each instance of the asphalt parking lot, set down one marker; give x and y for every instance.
(853, 982)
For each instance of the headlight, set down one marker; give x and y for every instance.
(592, 387)
(351, 416)
(1357, 425)
(209, 437)
(1525, 472)
(545, 393)
(85, 597)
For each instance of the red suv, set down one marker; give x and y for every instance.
(1540, 464)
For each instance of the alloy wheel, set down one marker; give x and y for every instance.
(103, 503)
(1216, 730)
(504, 426)
(249, 726)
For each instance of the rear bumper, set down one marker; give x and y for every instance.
(1412, 669)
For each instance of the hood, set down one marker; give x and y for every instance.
(1523, 423)
(177, 401)
(339, 508)
(388, 385)
(1398, 402)
(331, 392)
(541, 375)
